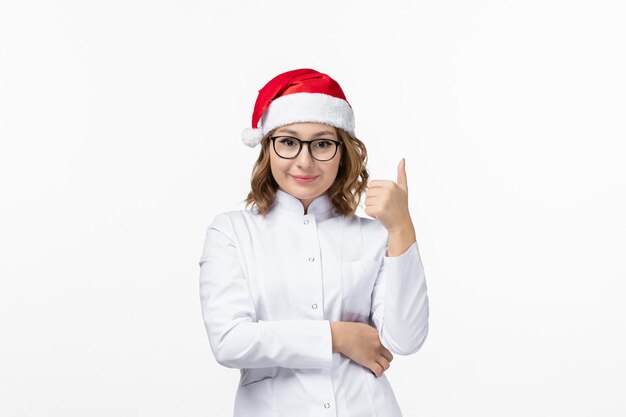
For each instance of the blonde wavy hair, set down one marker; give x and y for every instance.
(345, 192)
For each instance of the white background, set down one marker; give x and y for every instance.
(120, 127)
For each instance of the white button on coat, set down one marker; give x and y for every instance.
(255, 292)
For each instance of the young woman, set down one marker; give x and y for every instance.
(307, 299)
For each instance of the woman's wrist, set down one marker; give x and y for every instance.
(335, 330)
(400, 240)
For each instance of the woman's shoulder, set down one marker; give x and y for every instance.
(232, 219)
(229, 215)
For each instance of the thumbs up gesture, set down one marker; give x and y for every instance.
(388, 201)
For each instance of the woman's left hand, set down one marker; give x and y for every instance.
(388, 201)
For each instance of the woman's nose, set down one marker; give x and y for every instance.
(305, 159)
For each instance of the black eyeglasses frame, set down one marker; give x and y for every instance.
(301, 142)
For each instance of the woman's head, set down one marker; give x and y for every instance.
(306, 169)
(292, 109)
(343, 177)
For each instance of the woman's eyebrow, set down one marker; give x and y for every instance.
(291, 132)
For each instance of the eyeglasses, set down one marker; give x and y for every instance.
(288, 147)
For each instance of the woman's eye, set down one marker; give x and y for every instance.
(324, 144)
(287, 142)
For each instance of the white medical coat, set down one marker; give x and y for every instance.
(269, 288)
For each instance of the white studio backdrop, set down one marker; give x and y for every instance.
(120, 127)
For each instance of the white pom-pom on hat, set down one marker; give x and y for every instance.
(251, 137)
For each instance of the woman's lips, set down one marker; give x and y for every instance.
(303, 179)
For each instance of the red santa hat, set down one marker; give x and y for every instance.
(302, 95)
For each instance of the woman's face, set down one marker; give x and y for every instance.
(287, 171)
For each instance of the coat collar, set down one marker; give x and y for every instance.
(321, 208)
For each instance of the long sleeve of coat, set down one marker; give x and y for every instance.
(400, 302)
(237, 338)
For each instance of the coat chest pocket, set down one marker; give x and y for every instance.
(252, 375)
(357, 282)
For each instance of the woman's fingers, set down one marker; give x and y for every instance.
(362, 345)
(380, 366)
(387, 354)
(384, 363)
(377, 369)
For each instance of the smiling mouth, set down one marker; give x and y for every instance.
(304, 180)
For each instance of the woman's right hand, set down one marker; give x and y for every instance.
(360, 342)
